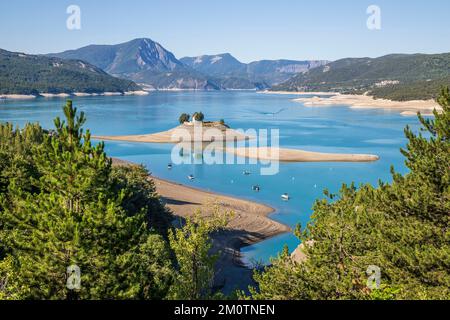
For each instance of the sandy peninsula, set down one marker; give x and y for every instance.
(184, 133)
(295, 155)
(406, 108)
(250, 224)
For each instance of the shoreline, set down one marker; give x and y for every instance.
(300, 93)
(73, 94)
(405, 108)
(250, 224)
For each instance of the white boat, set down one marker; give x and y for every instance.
(191, 177)
(169, 166)
(246, 172)
(285, 196)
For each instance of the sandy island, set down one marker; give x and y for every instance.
(249, 225)
(406, 108)
(184, 133)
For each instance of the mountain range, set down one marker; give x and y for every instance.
(233, 74)
(395, 76)
(143, 63)
(32, 74)
(150, 64)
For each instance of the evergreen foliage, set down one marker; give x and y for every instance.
(192, 245)
(184, 117)
(62, 204)
(401, 227)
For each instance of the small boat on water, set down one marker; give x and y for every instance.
(256, 188)
(285, 196)
(191, 177)
(246, 173)
(169, 166)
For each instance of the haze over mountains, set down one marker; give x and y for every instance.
(147, 62)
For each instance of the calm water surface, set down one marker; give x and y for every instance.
(324, 129)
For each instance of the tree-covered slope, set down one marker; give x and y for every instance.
(31, 74)
(397, 76)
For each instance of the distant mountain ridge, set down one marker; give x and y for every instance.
(32, 74)
(141, 60)
(233, 74)
(147, 62)
(395, 76)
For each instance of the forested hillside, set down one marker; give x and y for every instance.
(396, 77)
(31, 74)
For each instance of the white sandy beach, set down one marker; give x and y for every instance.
(407, 108)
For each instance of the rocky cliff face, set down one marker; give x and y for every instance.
(144, 61)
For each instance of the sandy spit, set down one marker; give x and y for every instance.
(294, 155)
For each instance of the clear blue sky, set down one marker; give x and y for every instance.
(248, 29)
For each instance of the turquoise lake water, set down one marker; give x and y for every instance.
(336, 129)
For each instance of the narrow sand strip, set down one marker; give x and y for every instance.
(293, 155)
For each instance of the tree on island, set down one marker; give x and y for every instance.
(184, 118)
(199, 116)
